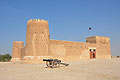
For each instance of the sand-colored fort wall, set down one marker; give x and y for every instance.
(17, 51)
(37, 40)
(69, 50)
(38, 46)
(103, 50)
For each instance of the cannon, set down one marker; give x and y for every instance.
(54, 63)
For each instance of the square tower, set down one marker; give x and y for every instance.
(103, 50)
(17, 51)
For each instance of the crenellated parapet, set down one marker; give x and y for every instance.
(37, 21)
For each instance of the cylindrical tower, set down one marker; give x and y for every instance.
(37, 39)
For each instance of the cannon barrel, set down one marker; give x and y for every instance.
(47, 59)
(51, 60)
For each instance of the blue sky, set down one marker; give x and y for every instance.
(68, 20)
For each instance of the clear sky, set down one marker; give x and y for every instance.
(68, 20)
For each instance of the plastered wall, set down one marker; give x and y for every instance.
(68, 50)
(103, 50)
(17, 51)
(37, 38)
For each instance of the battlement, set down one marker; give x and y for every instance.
(37, 20)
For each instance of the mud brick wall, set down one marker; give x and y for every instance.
(69, 50)
(37, 38)
(17, 50)
(103, 46)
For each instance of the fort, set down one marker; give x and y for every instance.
(38, 46)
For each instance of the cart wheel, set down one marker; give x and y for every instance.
(51, 64)
(55, 64)
(47, 63)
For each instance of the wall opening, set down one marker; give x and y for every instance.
(92, 53)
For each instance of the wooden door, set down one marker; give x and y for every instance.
(92, 53)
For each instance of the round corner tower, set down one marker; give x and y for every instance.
(37, 39)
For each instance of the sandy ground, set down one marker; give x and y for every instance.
(78, 70)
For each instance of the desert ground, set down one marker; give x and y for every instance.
(108, 69)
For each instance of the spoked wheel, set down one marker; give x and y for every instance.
(49, 64)
(53, 64)
(56, 64)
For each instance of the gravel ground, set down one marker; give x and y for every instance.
(108, 69)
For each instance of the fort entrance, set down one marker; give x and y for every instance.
(92, 53)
